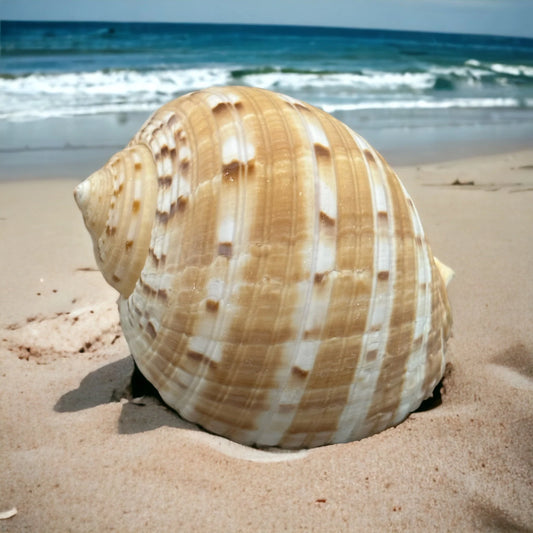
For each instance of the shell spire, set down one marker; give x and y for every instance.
(446, 273)
(117, 202)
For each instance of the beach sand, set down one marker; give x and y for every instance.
(77, 454)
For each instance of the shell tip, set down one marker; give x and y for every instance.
(447, 274)
(81, 194)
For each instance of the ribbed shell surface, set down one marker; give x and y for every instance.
(289, 296)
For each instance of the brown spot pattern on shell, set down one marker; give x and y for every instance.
(276, 284)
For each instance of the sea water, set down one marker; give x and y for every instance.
(83, 89)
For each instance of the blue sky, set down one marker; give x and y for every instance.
(498, 17)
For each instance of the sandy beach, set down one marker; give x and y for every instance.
(78, 453)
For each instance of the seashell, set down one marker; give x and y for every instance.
(276, 285)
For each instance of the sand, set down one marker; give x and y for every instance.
(78, 454)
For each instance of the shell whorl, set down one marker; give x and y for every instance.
(288, 294)
(124, 189)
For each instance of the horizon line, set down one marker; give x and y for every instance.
(280, 25)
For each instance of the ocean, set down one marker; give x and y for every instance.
(72, 93)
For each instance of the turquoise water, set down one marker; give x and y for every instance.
(93, 84)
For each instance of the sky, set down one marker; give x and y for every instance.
(493, 17)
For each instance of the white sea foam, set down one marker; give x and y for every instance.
(120, 82)
(70, 94)
(37, 96)
(366, 80)
(513, 70)
(488, 69)
(471, 103)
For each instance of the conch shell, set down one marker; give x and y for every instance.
(276, 285)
